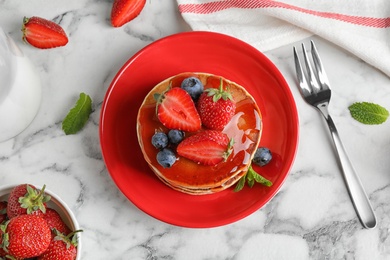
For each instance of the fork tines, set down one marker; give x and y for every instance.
(314, 80)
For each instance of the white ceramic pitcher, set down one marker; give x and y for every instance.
(20, 89)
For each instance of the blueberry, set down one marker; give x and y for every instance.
(175, 136)
(193, 86)
(160, 140)
(166, 158)
(262, 156)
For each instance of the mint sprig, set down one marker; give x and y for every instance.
(78, 115)
(368, 113)
(251, 177)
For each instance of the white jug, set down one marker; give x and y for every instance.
(20, 89)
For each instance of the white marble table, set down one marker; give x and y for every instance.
(311, 217)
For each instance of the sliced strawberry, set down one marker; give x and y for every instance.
(176, 110)
(42, 33)
(208, 147)
(123, 11)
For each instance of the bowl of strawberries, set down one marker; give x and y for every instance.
(36, 224)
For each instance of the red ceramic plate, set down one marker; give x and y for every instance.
(197, 52)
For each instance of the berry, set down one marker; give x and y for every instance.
(216, 107)
(3, 211)
(176, 110)
(193, 86)
(26, 236)
(262, 156)
(61, 247)
(123, 11)
(160, 140)
(26, 199)
(209, 147)
(42, 33)
(54, 221)
(166, 158)
(175, 136)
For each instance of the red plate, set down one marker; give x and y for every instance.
(197, 52)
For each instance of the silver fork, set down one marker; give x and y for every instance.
(316, 91)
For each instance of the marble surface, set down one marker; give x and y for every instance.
(311, 217)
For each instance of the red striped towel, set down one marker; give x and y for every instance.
(362, 27)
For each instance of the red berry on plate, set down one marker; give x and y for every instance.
(61, 247)
(216, 107)
(26, 199)
(176, 110)
(123, 11)
(42, 33)
(54, 221)
(26, 236)
(208, 147)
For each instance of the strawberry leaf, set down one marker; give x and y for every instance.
(78, 115)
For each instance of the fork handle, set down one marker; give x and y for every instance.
(355, 188)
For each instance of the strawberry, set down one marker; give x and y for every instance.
(61, 247)
(26, 236)
(176, 110)
(26, 199)
(54, 221)
(3, 211)
(216, 107)
(42, 33)
(208, 147)
(123, 11)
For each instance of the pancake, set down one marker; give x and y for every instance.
(188, 176)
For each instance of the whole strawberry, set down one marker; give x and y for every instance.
(3, 211)
(26, 199)
(26, 236)
(61, 247)
(216, 107)
(42, 33)
(54, 221)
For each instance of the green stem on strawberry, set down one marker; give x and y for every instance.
(34, 201)
(70, 239)
(4, 236)
(250, 178)
(219, 93)
(229, 150)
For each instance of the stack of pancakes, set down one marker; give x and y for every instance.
(190, 177)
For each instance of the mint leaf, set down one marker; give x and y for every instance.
(368, 113)
(78, 115)
(250, 178)
(241, 183)
(262, 180)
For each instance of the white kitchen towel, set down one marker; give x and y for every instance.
(360, 26)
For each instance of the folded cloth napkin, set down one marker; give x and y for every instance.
(362, 27)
